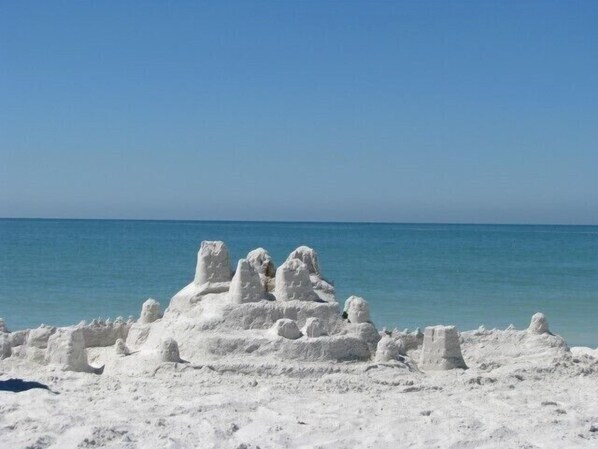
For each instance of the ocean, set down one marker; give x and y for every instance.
(60, 272)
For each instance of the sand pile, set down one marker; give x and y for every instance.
(256, 315)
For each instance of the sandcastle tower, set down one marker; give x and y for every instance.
(150, 311)
(441, 349)
(293, 283)
(213, 264)
(262, 262)
(357, 310)
(246, 285)
(138, 332)
(66, 348)
(538, 325)
(309, 257)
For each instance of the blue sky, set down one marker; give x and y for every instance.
(476, 111)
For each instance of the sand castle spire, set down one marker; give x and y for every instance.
(261, 260)
(246, 285)
(309, 257)
(538, 324)
(213, 264)
(292, 282)
(357, 310)
(150, 311)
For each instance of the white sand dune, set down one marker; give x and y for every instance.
(256, 359)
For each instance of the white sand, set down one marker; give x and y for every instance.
(242, 385)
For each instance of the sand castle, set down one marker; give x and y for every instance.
(256, 312)
(290, 312)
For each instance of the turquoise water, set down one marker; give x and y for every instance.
(62, 271)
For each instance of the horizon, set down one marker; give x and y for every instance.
(480, 113)
(186, 220)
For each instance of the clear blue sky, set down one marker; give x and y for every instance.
(445, 111)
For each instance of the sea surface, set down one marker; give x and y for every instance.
(60, 272)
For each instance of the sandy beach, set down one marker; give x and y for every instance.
(268, 358)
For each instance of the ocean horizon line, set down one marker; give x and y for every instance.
(188, 220)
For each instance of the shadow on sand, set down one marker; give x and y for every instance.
(20, 385)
